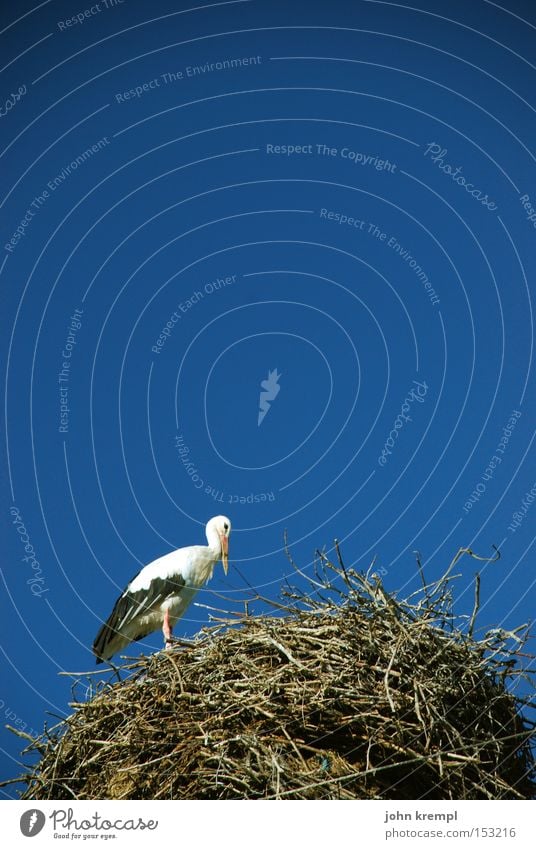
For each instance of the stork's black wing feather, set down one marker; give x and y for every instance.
(130, 604)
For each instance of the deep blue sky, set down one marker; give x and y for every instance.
(188, 203)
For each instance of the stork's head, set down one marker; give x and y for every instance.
(221, 526)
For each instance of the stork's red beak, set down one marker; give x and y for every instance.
(224, 552)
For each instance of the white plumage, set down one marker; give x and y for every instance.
(160, 593)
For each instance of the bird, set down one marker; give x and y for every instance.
(160, 592)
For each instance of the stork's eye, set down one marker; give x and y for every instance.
(226, 527)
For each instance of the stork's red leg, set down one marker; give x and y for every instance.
(167, 630)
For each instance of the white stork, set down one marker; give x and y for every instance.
(160, 593)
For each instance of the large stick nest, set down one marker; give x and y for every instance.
(342, 692)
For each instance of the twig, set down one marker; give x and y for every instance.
(476, 606)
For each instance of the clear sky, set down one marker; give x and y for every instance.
(335, 199)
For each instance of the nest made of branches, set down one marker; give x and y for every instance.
(344, 691)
